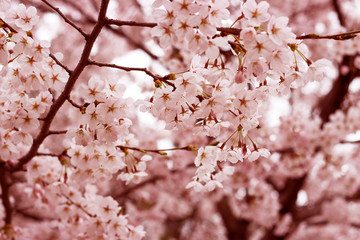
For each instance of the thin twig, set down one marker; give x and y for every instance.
(4, 24)
(130, 23)
(66, 19)
(339, 36)
(60, 64)
(349, 142)
(236, 31)
(159, 151)
(128, 69)
(48, 154)
(57, 132)
(78, 206)
(129, 190)
(74, 104)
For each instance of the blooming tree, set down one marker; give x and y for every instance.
(243, 125)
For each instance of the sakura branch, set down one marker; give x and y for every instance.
(127, 69)
(5, 195)
(4, 24)
(340, 36)
(158, 151)
(57, 132)
(60, 64)
(130, 23)
(74, 104)
(66, 19)
(237, 31)
(164, 79)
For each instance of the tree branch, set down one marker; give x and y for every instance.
(5, 196)
(57, 132)
(333, 100)
(128, 69)
(74, 104)
(340, 36)
(4, 24)
(236, 229)
(236, 31)
(130, 23)
(339, 13)
(60, 64)
(66, 19)
(129, 190)
(67, 90)
(159, 151)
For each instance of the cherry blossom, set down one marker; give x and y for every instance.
(179, 119)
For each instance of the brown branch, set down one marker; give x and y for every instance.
(57, 132)
(48, 154)
(74, 104)
(5, 196)
(67, 20)
(132, 42)
(77, 205)
(349, 142)
(236, 31)
(67, 90)
(289, 194)
(333, 100)
(339, 13)
(340, 36)
(4, 24)
(129, 190)
(130, 23)
(159, 151)
(116, 31)
(31, 216)
(236, 228)
(60, 64)
(128, 69)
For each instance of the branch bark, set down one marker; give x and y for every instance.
(236, 228)
(5, 196)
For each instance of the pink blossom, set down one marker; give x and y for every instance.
(26, 18)
(256, 13)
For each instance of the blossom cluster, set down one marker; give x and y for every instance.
(30, 79)
(223, 99)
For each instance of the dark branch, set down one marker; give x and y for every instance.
(66, 19)
(57, 132)
(333, 100)
(5, 196)
(236, 228)
(129, 190)
(130, 23)
(60, 64)
(74, 104)
(339, 12)
(128, 69)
